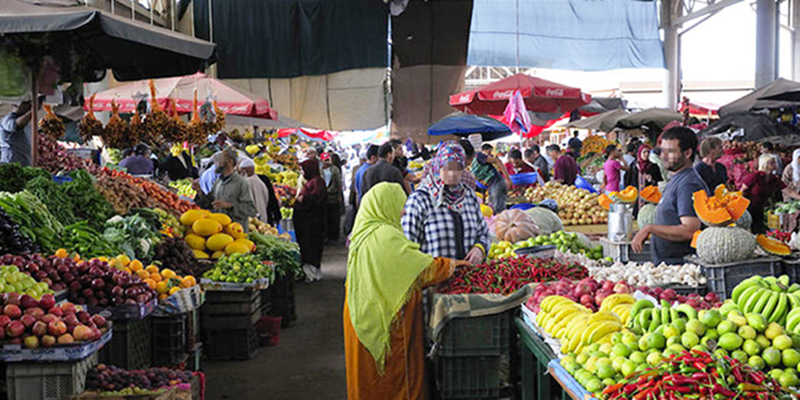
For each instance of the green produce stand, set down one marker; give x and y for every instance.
(537, 383)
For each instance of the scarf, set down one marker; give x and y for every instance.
(795, 166)
(450, 196)
(643, 163)
(382, 268)
(314, 188)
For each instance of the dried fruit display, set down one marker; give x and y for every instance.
(51, 126)
(117, 133)
(89, 126)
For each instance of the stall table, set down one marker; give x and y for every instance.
(536, 354)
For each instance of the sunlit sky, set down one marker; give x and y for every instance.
(723, 48)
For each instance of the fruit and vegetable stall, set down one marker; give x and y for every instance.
(113, 286)
(724, 324)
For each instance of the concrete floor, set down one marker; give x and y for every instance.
(308, 363)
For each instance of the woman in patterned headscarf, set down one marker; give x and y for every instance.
(443, 215)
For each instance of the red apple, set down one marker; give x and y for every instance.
(48, 341)
(692, 302)
(4, 320)
(12, 310)
(608, 286)
(600, 296)
(13, 298)
(82, 333)
(48, 318)
(28, 320)
(47, 302)
(35, 311)
(56, 311)
(66, 339)
(621, 288)
(712, 297)
(97, 333)
(15, 329)
(84, 317)
(57, 328)
(669, 295)
(68, 308)
(32, 342)
(39, 328)
(27, 301)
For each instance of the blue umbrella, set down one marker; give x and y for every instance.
(461, 124)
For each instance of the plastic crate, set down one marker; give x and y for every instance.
(282, 300)
(687, 290)
(722, 278)
(468, 377)
(791, 267)
(169, 340)
(228, 322)
(130, 346)
(266, 302)
(476, 336)
(621, 251)
(192, 329)
(239, 344)
(231, 303)
(47, 381)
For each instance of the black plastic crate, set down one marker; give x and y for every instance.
(239, 344)
(468, 377)
(231, 303)
(476, 336)
(266, 302)
(281, 293)
(169, 340)
(685, 290)
(791, 267)
(223, 322)
(192, 329)
(47, 380)
(722, 278)
(130, 346)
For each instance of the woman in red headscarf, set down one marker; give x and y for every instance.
(643, 173)
(309, 215)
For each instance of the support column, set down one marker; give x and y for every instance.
(672, 82)
(766, 42)
(794, 8)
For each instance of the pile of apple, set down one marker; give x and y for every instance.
(698, 302)
(588, 292)
(41, 323)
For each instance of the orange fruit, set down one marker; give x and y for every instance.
(143, 274)
(161, 287)
(62, 253)
(163, 296)
(152, 269)
(123, 259)
(150, 283)
(128, 270)
(168, 273)
(156, 277)
(174, 290)
(135, 265)
(188, 281)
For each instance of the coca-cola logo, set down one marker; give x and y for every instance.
(464, 98)
(503, 95)
(554, 92)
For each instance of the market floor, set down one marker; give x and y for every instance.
(308, 363)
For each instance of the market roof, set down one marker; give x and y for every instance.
(753, 101)
(134, 50)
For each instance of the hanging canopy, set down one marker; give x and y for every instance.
(604, 122)
(181, 90)
(86, 41)
(700, 109)
(461, 124)
(540, 96)
(655, 119)
(600, 105)
(758, 98)
(751, 126)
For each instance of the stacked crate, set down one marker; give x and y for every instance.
(228, 321)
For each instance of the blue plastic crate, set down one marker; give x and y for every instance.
(524, 179)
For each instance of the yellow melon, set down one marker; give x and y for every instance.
(250, 245)
(223, 219)
(189, 217)
(218, 241)
(196, 242)
(217, 254)
(236, 248)
(206, 227)
(200, 254)
(235, 230)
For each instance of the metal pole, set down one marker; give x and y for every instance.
(133, 9)
(672, 86)
(151, 11)
(34, 118)
(766, 42)
(112, 6)
(795, 23)
(173, 7)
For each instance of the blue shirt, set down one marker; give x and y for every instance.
(138, 165)
(676, 202)
(207, 179)
(15, 144)
(360, 178)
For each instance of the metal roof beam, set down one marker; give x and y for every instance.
(711, 8)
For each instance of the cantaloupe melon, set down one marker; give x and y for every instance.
(235, 230)
(196, 242)
(250, 245)
(189, 217)
(218, 241)
(236, 248)
(206, 227)
(199, 254)
(223, 219)
(217, 254)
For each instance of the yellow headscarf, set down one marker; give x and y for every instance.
(382, 266)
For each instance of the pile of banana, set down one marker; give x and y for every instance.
(646, 318)
(770, 296)
(576, 326)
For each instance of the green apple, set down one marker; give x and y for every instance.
(751, 347)
(782, 342)
(690, 339)
(696, 327)
(790, 357)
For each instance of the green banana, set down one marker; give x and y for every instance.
(793, 288)
(665, 307)
(753, 300)
(687, 310)
(655, 322)
(794, 300)
(780, 308)
(763, 298)
(784, 280)
(673, 315)
(746, 295)
(793, 319)
(744, 285)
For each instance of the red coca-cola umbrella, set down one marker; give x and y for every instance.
(313, 134)
(540, 96)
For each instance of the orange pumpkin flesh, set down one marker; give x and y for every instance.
(773, 246)
(604, 201)
(651, 194)
(694, 239)
(628, 195)
(721, 209)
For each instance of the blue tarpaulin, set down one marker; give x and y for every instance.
(585, 35)
(464, 124)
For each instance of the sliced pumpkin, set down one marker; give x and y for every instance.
(628, 195)
(722, 209)
(651, 194)
(773, 246)
(694, 239)
(604, 201)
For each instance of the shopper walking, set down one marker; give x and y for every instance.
(761, 187)
(309, 217)
(247, 168)
(333, 198)
(382, 316)
(492, 174)
(443, 215)
(712, 172)
(231, 191)
(383, 170)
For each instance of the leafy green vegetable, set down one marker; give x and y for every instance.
(13, 177)
(285, 255)
(53, 196)
(133, 235)
(34, 220)
(89, 204)
(87, 242)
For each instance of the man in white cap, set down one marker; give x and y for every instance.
(247, 169)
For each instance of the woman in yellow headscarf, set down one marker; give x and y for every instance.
(383, 328)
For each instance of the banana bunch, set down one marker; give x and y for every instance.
(646, 318)
(574, 325)
(259, 226)
(620, 304)
(771, 297)
(252, 149)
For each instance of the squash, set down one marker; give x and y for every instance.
(486, 211)
(604, 201)
(647, 215)
(514, 225)
(773, 246)
(722, 209)
(651, 194)
(745, 221)
(626, 196)
(725, 245)
(206, 227)
(694, 239)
